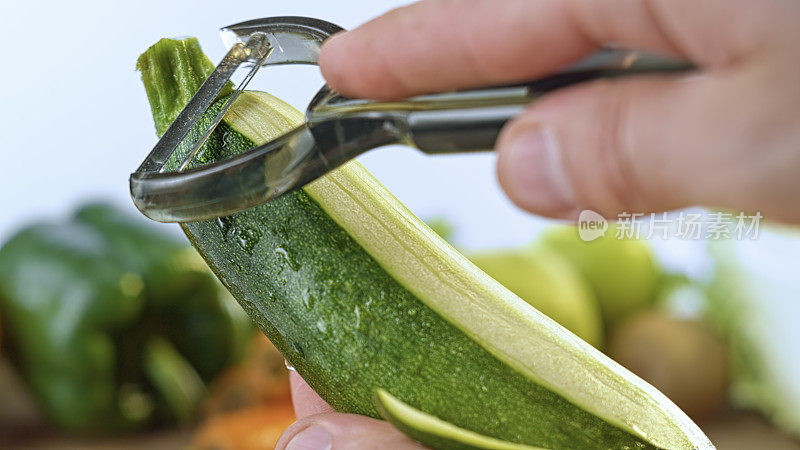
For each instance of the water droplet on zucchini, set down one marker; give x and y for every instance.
(288, 258)
(248, 238)
(308, 299)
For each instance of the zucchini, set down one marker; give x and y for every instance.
(358, 294)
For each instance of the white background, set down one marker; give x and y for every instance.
(75, 119)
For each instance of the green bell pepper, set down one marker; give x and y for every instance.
(85, 303)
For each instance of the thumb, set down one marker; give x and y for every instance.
(339, 431)
(636, 145)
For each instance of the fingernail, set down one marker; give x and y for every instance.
(535, 171)
(314, 437)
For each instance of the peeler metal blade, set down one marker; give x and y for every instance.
(222, 188)
(294, 39)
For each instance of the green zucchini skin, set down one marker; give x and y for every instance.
(349, 328)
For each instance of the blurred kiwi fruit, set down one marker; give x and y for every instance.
(684, 359)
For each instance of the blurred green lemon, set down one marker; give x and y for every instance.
(621, 272)
(550, 284)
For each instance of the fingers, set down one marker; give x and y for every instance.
(650, 144)
(319, 427)
(441, 45)
(343, 432)
(306, 402)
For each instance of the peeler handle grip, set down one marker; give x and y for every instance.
(468, 121)
(459, 131)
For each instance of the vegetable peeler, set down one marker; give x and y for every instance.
(337, 128)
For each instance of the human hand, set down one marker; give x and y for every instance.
(728, 136)
(319, 427)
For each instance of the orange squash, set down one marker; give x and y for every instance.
(260, 378)
(254, 428)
